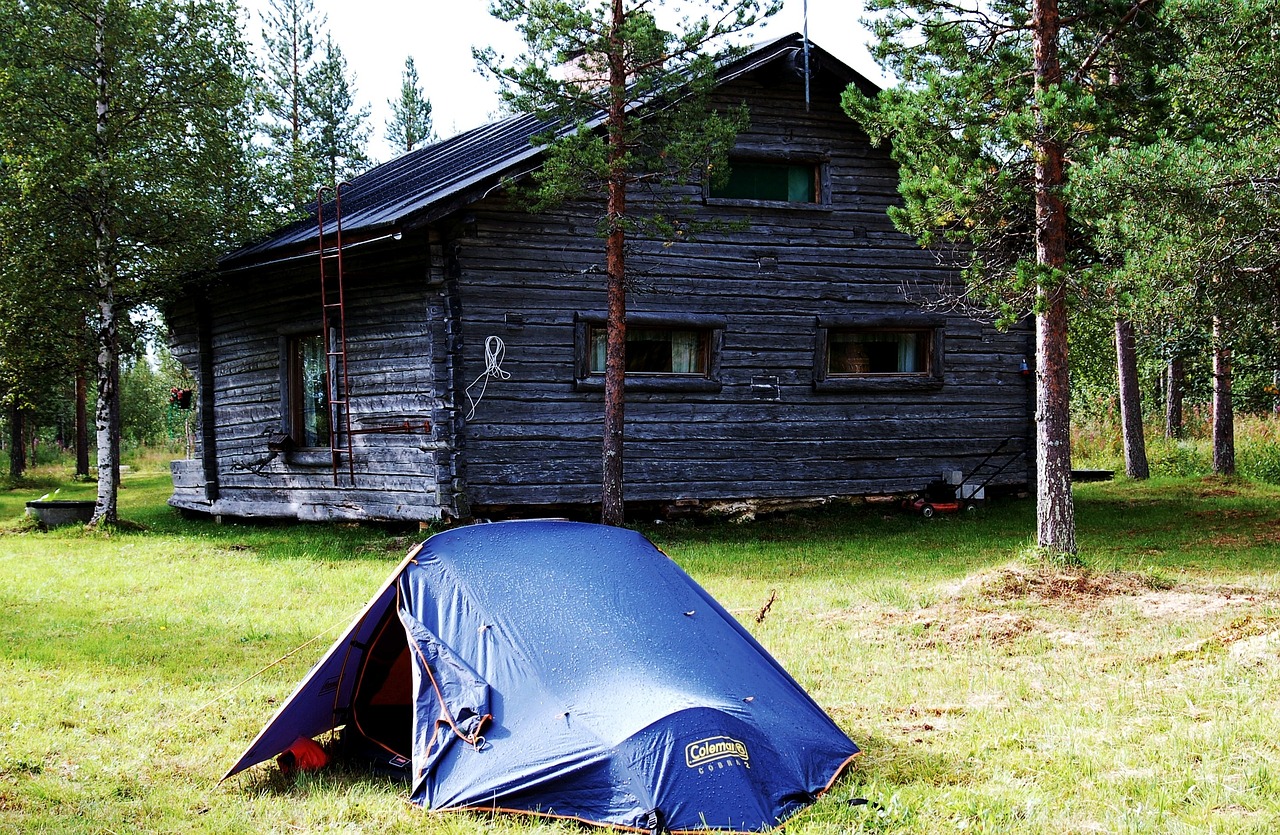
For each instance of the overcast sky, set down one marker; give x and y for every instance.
(377, 35)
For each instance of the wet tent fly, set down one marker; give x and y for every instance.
(571, 670)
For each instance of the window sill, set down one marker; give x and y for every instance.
(888, 382)
(768, 204)
(310, 457)
(642, 384)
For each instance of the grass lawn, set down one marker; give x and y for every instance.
(989, 695)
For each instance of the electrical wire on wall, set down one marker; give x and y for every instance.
(494, 352)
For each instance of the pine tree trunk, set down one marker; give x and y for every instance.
(108, 410)
(1055, 513)
(1275, 368)
(612, 511)
(1175, 386)
(1135, 447)
(17, 442)
(82, 424)
(1224, 443)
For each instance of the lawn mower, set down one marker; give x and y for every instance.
(953, 493)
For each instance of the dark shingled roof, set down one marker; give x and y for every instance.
(432, 180)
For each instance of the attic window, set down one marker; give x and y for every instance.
(784, 181)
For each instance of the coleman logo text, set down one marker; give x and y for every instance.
(704, 751)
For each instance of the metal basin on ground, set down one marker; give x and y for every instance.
(52, 514)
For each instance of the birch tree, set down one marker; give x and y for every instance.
(129, 128)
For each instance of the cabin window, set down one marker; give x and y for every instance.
(308, 399)
(786, 181)
(665, 352)
(878, 353)
(656, 350)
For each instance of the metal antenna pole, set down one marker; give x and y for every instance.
(806, 55)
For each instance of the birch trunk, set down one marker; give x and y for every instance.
(107, 413)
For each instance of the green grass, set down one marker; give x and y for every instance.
(989, 695)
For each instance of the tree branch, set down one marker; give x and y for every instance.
(1102, 44)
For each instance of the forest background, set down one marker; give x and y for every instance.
(1161, 110)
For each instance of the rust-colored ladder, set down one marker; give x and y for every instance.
(333, 328)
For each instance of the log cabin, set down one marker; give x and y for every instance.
(445, 359)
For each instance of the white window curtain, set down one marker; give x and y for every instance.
(909, 353)
(597, 349)
(684, 352)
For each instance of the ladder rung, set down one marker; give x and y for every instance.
(332, 305)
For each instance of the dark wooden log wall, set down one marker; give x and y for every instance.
(391, 360)
(535, 438)
(420, 309)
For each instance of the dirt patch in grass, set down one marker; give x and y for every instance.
(1226, 513)
(1193, 603)
(952, 623)
(1002, 606)
(1216, 487)
(1248, 639)
(1068, 587)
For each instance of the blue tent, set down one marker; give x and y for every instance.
(570, 670)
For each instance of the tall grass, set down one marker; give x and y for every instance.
(1096, 443)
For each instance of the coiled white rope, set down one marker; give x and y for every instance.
(494, 352)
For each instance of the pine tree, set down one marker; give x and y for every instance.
(316, 136)
(285, 93)
(993, 106)
(339, 130)
(1194, 214)
(592, 58)
(410, 124)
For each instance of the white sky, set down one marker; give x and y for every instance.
(377, 35)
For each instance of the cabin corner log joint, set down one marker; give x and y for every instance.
(777, 359)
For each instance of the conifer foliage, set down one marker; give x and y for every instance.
(316, 134)
(410, 124)
(1193, 215)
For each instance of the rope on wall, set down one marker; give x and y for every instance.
(494, 352)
